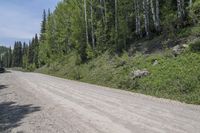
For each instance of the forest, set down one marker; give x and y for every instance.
(91, 27)
(103, 41)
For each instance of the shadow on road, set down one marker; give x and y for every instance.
(7, 71)
(11, 115)
(3, 87)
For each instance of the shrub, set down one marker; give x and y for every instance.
(195, 47)
(196, 8)
(31, 67)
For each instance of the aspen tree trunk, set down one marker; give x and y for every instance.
(86, 23)
(157, 15)
(190, 8)
(102, 13)
(105, 11)
(190, 3)
(183, 7)
(181, 10)
(146, 16)
(92, 25)
(116, 22)
(137, 19)
(153, 12)
(126, 31)
(101, 3)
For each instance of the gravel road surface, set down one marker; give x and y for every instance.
(37, 103)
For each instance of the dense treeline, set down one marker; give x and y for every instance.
(5, 56)
(22, 55)
(91, 27)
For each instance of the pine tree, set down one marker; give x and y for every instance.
(36, 51)
(17, 54)
(42, 43)
(43, 27)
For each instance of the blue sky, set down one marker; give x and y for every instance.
(21, 19)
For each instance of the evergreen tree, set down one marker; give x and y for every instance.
(17, 54)
(42, 46)
(36, 51)
(25, 55)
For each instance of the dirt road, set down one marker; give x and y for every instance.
(36, 103)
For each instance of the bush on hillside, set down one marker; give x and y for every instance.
(174, 78)
(195, 47)
(196, 9)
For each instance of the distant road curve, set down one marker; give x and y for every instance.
(37, 103)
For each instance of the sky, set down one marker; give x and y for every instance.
(20, 20)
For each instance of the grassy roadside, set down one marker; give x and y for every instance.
(18, 69)
(176, 78)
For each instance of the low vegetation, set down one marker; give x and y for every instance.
(173, 77)
(195, 46)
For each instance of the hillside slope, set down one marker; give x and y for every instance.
(171, 76)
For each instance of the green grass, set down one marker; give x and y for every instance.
(176, 78)
(189, 31)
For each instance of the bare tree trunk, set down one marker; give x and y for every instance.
(157, 16)
(86, 23)
(190, 3)
(116, 22)
(181, 10)
(183, 7)
(92, 25)
(146, 16)
(105, 11)
(153, 12)
(102, 13)
(126, 31)
(137, 18)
